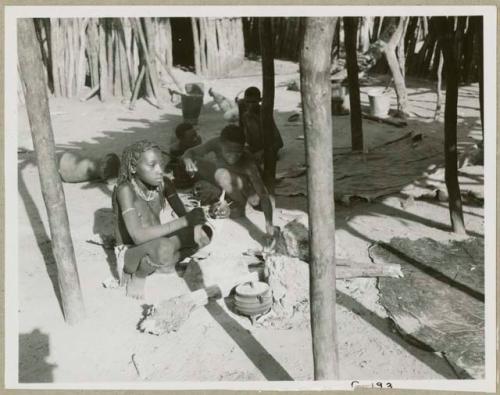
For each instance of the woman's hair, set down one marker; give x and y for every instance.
(130, 157)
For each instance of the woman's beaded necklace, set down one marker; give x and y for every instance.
(148, 196)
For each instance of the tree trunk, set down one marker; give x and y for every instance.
(315, 60)
(53, 194)
(411, 39)
(450, 55)
(350, 29)
(439, 84)
(389, 50)
(401, 50)
(267, 118)
(480, 70)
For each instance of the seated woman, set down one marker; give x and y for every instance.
(144, 244)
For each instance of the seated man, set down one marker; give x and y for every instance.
(186, 136)
(234, 171)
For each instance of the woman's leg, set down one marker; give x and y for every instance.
(160, 254)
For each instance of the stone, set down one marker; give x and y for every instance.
(293, 239)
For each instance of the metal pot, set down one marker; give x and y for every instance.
(253, 298)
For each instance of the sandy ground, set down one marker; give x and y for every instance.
(214, 344)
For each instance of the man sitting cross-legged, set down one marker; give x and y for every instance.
(234, 171)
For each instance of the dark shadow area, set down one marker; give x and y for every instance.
(260, 357)
(182, 42)
(253, 230)
(104, 227)
(42, 238)
(34, 348)
(385, 326)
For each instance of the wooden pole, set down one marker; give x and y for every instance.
(168, 31)
(401, 50)
(350, 29)
(37, 105)
(54, 41)
(439, 83)
(137, 87)
(103, 67)
(389, 50)
(478, 27)
(80, 74)
(315, 60)
(149, 62)
(449, 46)
(93, 52)
(266, 115)
(203, 47)
(196, 41)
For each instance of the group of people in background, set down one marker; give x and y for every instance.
(147, 184)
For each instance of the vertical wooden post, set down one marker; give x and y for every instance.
(315, 60)
(103, 65)
(266, 115)
(478, 27)
(196, 41)
(449, 46)
(389, 50)
(350, 29)
(168, 30)
(439, 83)
(54, 54)
(37, 105)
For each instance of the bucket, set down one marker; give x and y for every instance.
(379, 102)
(192, 102)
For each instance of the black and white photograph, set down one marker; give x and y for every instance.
(230, 197)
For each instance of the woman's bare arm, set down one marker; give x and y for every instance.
(137, 232)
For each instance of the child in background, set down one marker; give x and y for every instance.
(144, 244)
(186, 136)
(249, 115)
